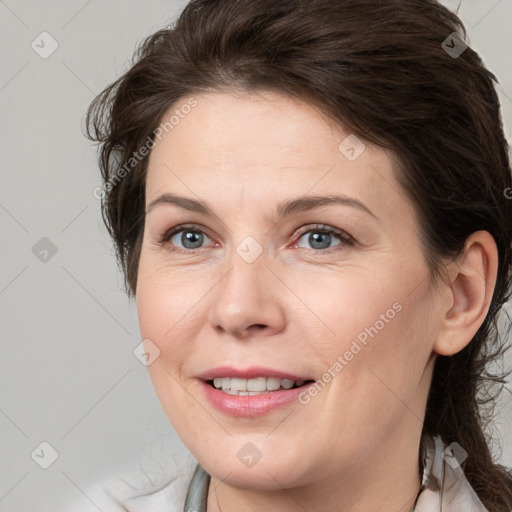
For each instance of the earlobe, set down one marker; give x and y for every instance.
(472, 281)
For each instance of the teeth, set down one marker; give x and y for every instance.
(273, 384)
(255, 386)
(287, 383)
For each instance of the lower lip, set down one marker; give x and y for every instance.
(251, 405)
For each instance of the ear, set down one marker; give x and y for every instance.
(471, 282)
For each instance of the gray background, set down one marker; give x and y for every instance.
(68, 373)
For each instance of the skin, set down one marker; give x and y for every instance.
(355, 445)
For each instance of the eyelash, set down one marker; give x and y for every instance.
(345, 238)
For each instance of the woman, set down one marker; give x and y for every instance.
(309, 204)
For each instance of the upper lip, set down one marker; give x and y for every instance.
(248, 373)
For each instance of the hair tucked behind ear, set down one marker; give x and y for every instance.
(379, 68)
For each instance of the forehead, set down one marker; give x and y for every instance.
(263, 147)
(244, 128)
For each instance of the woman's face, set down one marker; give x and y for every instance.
(253, 284)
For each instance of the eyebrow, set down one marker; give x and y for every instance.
(284, 209)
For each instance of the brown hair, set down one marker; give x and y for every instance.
(381, 69)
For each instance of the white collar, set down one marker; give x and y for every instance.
(446, 487)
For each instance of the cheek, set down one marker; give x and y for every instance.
(167, 299)
(162, 315)
(370, 322)
(163, 319)
(347, 306)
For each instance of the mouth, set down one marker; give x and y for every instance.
(255, 386)
(253, 391)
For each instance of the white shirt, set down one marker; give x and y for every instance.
(119, 495)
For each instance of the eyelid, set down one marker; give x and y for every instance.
(325, 228)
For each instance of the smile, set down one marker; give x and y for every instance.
(245, 403)
(251, 387)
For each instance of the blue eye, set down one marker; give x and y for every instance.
(190, 237)
(321, 237)
(193, 237)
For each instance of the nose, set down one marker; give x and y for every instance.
(248, 300)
